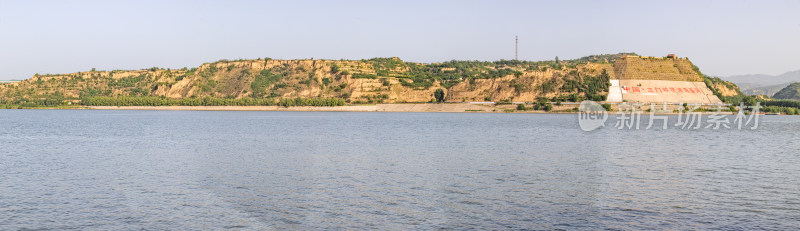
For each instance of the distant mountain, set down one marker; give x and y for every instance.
(755, 89)
(765, 80)
(760, 84)
(789, 92)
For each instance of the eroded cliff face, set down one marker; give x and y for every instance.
(358, 81)
(726, 88)
(379, 80)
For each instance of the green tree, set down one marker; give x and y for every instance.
(439, 95)
(750, 101)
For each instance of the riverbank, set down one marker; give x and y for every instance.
(409, 107)
(567, 108)
(462, 107)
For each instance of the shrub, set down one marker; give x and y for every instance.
(439, 95)
(503, 102)
(262, 81)
(364, 76)
(334, 68)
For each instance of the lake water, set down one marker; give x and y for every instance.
(188, 170)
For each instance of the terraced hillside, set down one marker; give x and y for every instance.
(660, 80)
(656, 68)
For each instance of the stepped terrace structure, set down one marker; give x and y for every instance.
(668, 79)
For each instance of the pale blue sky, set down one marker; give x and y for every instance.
(722, 37)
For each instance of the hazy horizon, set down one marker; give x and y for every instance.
(722, 38)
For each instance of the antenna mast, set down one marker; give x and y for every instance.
(516, 47)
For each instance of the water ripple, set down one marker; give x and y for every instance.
(110, 170)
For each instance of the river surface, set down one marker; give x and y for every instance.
(211, 170)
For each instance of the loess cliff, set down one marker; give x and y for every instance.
(377, 80)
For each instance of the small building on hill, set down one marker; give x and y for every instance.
(672, 56)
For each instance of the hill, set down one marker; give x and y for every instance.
(754, 89)
(665, 79)
(367, 81)
(791, 92)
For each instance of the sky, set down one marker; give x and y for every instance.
(723, 38)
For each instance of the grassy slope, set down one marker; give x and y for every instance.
(791, 92)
